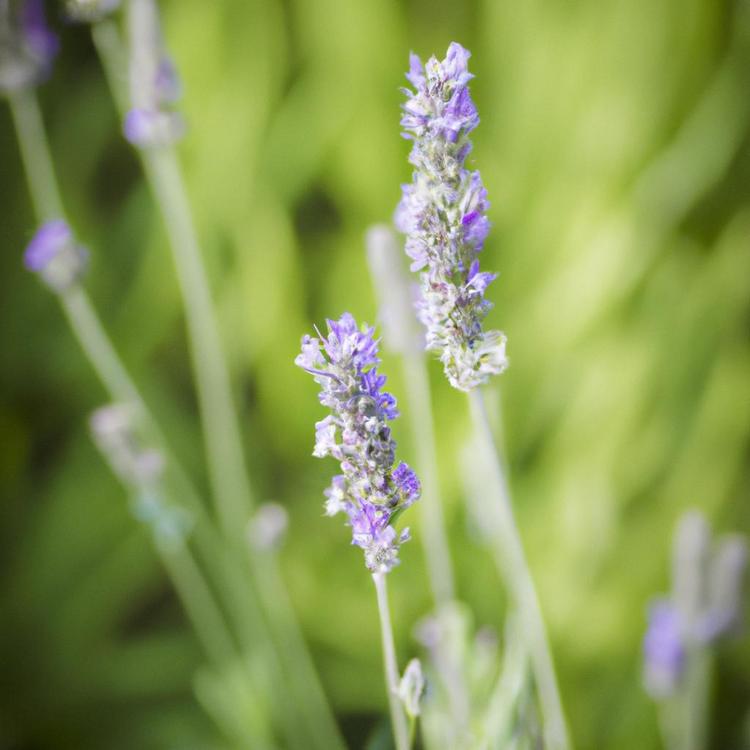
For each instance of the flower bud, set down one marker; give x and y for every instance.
(411, 688)
(27, 46)
(54, 254)
(267, 528)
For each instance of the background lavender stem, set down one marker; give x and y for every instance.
(512, 565)
(434, 540)
(186, 576)
(222, 434)
(37, 163)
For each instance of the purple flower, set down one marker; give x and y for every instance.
(663, 650)
(155, 87)
(27, 45)
(55, 256)
(48, 241)
(407, 482)
(152, 128)
(705, 604)
(357, 434)
(443, 215)
(40, 39)
(372, 532)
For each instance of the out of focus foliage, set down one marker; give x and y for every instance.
(614, 146)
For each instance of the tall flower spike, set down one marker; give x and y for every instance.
(27, 45)
(154, 84)
(443, 215)
(369, 490)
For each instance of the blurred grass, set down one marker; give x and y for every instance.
(614, 147)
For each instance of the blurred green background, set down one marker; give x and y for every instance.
(614, 146)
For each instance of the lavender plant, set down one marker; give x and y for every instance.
(57, 257)
(443, 215)
(704, 608)
(370, 491)
(27, 45)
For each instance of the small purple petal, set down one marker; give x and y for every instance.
(48, 241)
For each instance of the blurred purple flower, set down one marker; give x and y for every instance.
(54, 255)
(27, 45)
(663, 649)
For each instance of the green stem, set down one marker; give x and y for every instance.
(293, 652)
(226, 463)
(223, 442)
(511, 561)
(199, 603)
(435, 540)
(99, 350)
(398, 717)
(695, 708)
(32, 141)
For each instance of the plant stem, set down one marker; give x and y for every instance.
(513, 567)
(398, 717)
(100, 352)
(298, 665)
(434, 539)
(695, 708)
(223, 441)
(199, 603)
(35, 154)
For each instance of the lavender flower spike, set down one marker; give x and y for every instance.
(443, 214)
(27, 45)
(369, 490)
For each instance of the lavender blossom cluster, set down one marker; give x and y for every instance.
(704, 606)
(356, 433)
(443, 214)
(27, 45)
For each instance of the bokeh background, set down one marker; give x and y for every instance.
(614, 146)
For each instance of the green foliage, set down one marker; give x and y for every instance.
(613, 145)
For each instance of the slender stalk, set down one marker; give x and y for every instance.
(434, 539)
(199, 603)
(294, 654)
(511, 561)
(398, 717)
(695, 701)
(226, 463)
(98, 348)
(223, 441)
(198, 600)
(37, 162)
